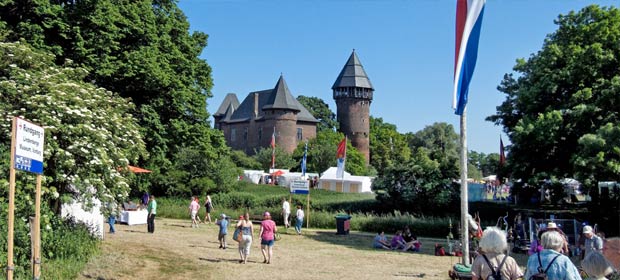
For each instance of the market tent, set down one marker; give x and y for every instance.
(348, 184)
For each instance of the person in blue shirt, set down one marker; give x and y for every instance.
(559, 266)
(380, 241)
(223, 224)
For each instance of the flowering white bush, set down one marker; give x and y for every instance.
(90, 134)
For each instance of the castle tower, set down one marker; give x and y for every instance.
(353, 95)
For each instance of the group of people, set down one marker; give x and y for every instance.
(403, 240)
(286, 213)
(194, 206)
(266, 235)
(548, 257)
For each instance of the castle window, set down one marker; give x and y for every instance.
(299, 133)
(245, 134)
(233, 134)
(260, 133)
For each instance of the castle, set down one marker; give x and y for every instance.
(250, 124)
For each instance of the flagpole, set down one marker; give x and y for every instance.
(464, 195)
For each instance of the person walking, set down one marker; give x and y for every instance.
(247, 235)
(493, 258)
(152, 211)
(286, 212)
(592, 242)
(223, 224)
(267, 233)
(113, 212)
(299, 216)
(209, 207)
(193, 211)
(550, 260)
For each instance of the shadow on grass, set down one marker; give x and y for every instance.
(219, 260)
(364, 240)
(354, 240)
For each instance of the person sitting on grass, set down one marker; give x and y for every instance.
(398, 243)
(380, 241)
(412, 241)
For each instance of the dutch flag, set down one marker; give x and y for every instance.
(468, 24)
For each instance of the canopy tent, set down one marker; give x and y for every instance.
(135, 169)
(349, 184)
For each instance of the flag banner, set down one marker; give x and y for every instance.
(341, 155)
(303, 161)
(273, 148)
(468, 24)
(502, 155)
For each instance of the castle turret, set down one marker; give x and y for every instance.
(353, 95)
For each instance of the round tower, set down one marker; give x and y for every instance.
(353, 95)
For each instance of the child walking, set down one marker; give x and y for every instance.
(223, 224)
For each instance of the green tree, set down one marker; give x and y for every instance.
(562, 100)
(244, 161)
(141, 49)
(441, 144)
(387, 146)
(320, 110)
(322, 154)
(487, 164)
(418, 186)
(90, 134)
(283, 159)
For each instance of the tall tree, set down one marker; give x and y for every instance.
(320, 110)
(141, 49)
(442, 145)
(567, 91)
(387, 146)
(90, 136)
(322, 154)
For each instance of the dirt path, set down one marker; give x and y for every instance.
(177, 251)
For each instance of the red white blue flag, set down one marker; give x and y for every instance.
(341, 156)
(468, 24)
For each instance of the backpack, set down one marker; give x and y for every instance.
(542, 275)
(496, 275)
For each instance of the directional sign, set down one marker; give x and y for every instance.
(29, 146)
(300, 187)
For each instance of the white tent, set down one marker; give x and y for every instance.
(348, 184)
(93, 218)
(253, 176)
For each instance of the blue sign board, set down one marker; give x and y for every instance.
(300, 187)
(29, 141)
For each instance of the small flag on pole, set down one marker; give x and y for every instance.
(468, 24)
(273, 149)
(303, 161)
(341, 156)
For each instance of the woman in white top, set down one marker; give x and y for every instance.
(300, 219)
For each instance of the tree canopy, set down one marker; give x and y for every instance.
(90, 135)
(142, 50)
(320, 110)
(562, 103)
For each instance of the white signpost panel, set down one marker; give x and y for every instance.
(29, 147)
(300, 187)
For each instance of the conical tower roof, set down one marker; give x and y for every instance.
(281, 97)
(353, 75)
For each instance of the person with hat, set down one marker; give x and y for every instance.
(223, 224)
(267, 233)
(551, 226)
(592, 242)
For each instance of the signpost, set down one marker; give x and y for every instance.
(302, 187)
(27, 143)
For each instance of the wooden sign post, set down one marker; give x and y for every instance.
(27, 141)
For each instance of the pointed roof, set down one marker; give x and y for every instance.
(267, 99)
(230, 101)
(353, 75)
(281, 97)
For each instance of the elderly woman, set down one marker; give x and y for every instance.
(596, 266)
(492, 257)
(556, 265)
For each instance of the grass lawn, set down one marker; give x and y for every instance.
(177, 251)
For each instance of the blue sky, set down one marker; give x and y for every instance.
(406, 47)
